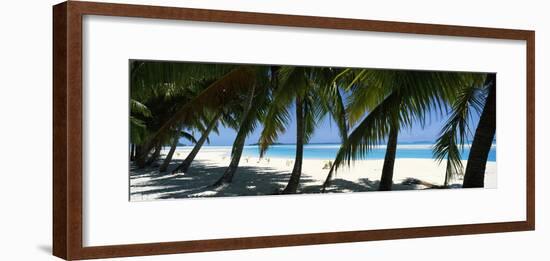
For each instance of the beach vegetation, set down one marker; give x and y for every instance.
(174, 101)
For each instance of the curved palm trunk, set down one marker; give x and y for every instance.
(184, 166)
(154, 156)
(170, 154)
(238, 146)
(386, 181)
(474, 175)
(294, 181)
(143, 158)
(229, 172)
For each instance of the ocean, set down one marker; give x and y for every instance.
(328, 151)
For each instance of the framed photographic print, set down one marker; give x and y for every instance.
(186, 130)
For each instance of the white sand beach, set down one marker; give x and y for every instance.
(267, 176)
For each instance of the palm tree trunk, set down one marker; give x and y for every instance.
(137, 152)
(184, 166)
(141, 157)
(229, 172)
(386, 181)
(170, 154)
(447, 175)
(238, 146)
(154, 156)
(294, 181)
(132, 151)
(474, 175)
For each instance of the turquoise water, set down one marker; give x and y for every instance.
(328, 151)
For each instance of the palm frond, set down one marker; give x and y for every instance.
(138, 130)
(216, 95)
(372, 130)
(456, 130)
(188, 136)
(331, 99)
(276, 120)
(290, 82)
(137, 107)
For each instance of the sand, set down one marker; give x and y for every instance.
(269, 175)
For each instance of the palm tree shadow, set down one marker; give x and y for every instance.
(248, 181)
(345, 186)
(150, 184)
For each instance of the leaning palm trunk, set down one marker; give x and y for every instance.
(238, 145)
(386, 181)
(184, 166)
(154, 156)
(144, 158)
(227, 176)
(170, 154)
(294, 181)
(217, 94)
(474, 175)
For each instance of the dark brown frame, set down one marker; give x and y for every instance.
(67, 129)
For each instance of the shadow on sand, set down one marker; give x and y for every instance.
(197, 181)
(149, 183)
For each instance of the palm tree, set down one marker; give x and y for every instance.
(481, 98)
(474, 176)
(162, 88)
(238, 143)
(184, 166)
(455, 132)
(255, 103)
(154, 156)
(386, 180)
(391, 100)
(174, 143)
(218, 93)
(304, 89)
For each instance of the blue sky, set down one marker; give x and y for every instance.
(327, 132)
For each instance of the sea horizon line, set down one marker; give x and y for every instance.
(330, 145)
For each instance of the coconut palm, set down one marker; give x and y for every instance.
(173, 144)
(474, 176)
(211, 125)
(391, 100)
(158, 109)
(252, 109)
(304, 89)
(456, 130)
(222, 89)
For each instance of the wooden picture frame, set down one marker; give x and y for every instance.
(68, 146)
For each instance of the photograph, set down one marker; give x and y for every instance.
(275, 130)
(201, 129)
